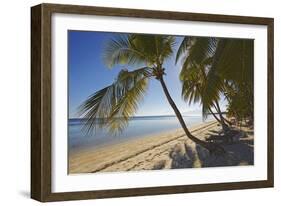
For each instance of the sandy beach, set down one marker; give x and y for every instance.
(165, 151)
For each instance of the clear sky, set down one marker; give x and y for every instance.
(87, 74)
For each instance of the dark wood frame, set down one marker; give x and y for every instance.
(41, 101)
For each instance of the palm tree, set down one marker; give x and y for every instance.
(198, 58)
(113, 106)
(233, 65)
(229, 72)
(193, 81)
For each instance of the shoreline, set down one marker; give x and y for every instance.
(167, 150)
(79, 160)
(74, 148)
(192, 128)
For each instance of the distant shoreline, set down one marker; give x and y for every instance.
(146, 116)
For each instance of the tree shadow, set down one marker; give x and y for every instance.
(182, 157)
(240, 152)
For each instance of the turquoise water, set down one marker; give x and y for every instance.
(138, 127)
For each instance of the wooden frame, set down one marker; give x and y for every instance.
(41, 102)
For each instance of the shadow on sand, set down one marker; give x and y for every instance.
(238, 152)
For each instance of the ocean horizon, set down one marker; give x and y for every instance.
(138, 127)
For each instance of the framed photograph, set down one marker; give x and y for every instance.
(132, 102)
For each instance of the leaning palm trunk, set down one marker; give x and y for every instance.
(179, 116)
(215, 116)
(224, 125)
(227, 121)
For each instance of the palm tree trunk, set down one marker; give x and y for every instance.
(215, 116)
(224, 125)
(179, 116)
(227, 121)
(218, 109)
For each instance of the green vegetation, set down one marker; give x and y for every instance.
(215, 68)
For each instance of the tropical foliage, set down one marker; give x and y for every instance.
(216, 68)
(112, 106)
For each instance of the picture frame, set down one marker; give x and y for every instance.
(41, 101)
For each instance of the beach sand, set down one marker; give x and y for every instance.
(164, 151)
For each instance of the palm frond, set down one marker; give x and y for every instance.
(192, 84)
(228, 70)
(112, 107)
(201, 49)
(183, 48)
(205, 111)
(135, 49)
(214, 84)
(121, 50)
(236, 62)
(157, 47)
(165, 46)
(233, 61)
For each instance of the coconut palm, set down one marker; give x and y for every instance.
(234, 66)
(113, 106)
(193, 80)
(198, 56)
(229, 73)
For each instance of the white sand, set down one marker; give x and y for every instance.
(163, 151)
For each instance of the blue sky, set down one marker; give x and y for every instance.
(87, 73)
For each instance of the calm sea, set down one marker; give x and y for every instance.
(138, 127)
